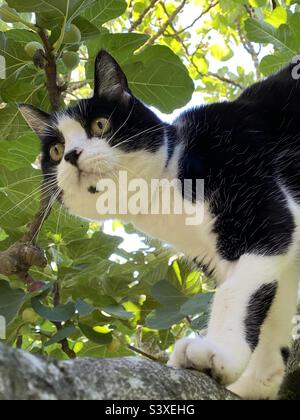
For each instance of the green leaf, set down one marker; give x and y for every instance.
(87, 29)
(20, 153)
(221, 51)
(7, 14)
(265, 33)
(95, 337)
(197, 304)
(61, 335)
(166, 294)
(164, 318)
(11, 301)
(30, 5)
(156, 75)
(60, 313)
(171, 300)
(19, 198)
(12, 45)
(99, 245)
(12, 124)
(3, 235)
(122, 46)
(273, 63)
(277, 17)
(104, 10)
(83, 308)
(294, 25)
(201, 322)
(117, 311)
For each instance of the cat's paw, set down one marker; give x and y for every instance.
(258, 387)
(205, 356)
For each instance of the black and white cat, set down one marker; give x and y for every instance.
(248, 153)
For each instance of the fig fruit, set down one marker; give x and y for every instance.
(71, 60)
(32, 47)
(29, 315)
(72, 35)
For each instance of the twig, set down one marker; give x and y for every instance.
(142, 16)
(251, 51)
(204, 12)
(274, 4)
(191, 58)
(162, 30)
(142, 353)
(64, 343)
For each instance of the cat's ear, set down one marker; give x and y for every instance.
(38, 120)
(110, 80)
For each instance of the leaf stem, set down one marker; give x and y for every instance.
(60, 40)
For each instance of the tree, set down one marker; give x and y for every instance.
(88, 296)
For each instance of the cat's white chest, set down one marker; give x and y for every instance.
(195, 241)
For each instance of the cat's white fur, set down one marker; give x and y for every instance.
(224, 351)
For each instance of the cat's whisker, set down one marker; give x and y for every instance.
(50, 204)
(33, 178)
(58, 218)
(42, 189)
(123, 125)
(130, 139)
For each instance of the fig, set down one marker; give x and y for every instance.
(114, 346)
(32, 47)
(29, 315)
(71, 60)
(72, 35)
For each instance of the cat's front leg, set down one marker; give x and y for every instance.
(224, 353)
(241, 308)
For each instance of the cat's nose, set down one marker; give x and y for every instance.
(73, 156)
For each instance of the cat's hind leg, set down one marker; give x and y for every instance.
(264, 375)
(240, 310)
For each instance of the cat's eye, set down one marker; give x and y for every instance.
(57, 152)
(101, 126)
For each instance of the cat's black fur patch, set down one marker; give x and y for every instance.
(257, 311)
(247, 151)
(92, 190)
(286, 354)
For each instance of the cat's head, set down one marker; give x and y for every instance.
(97, 138)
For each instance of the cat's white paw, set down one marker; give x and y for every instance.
(258, 387)
(207, 357)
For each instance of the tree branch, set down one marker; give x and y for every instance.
(24, 376)
(64, 343)
(190, 57)
(51, 71)
(142, 16)
(21, 256)
(165, 25)
(251, 51)
(204, 12)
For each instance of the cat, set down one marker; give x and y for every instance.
(248, 153)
